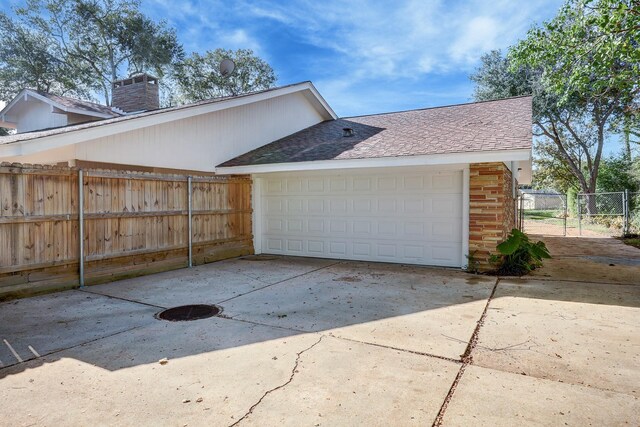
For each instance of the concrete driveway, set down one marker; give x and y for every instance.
(321, 342)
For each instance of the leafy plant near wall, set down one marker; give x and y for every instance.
(473, 265)
(518, 255)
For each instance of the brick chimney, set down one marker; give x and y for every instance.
(136, 93)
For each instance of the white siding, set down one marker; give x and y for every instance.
(37, 115)
(203, 142)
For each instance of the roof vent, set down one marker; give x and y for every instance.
(347, 132)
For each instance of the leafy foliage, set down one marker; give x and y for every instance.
(79, 47)
(616, 174)
(519, 255)
(590, 49)
(589, 60)
(98, 41)
(198, 76)
(27, 59)
(581, 68)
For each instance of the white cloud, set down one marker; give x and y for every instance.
(362, 47)
(406, 38)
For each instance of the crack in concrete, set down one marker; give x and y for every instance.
(466, 358)
(293, 373)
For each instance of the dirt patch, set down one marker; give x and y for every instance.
(350, 279)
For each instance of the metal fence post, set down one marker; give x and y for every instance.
(625, 210)
(189, 190)
(81, 226)
(521, 212)
(566, 211)
(579, 214)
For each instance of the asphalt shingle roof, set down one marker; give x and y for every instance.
(80, 104)
(481, 126)
(27, 136)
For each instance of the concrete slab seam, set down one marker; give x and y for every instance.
(438, 421)
(277, 283)
(466, 358)
(552, 279)
(73, 346)
(121, 298)
(251, 322)
(293, 373)
(419, 353)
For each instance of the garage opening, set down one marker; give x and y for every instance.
(401, 215)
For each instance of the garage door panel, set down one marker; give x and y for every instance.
(426, 229)
(411, 217)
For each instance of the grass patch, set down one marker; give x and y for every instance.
(632, 241)
(541, 215)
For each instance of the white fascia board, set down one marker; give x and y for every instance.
(81, 112)
(330, 114)
(425, 160)
(14, 101)
(73, 137)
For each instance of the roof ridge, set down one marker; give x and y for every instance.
(439, 106)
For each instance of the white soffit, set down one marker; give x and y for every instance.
(522, 156)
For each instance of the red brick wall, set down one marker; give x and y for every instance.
(491, 209)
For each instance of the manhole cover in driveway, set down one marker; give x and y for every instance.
(189, 312)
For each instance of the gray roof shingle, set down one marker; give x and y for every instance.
(27, 136)
(80, 104)
(480, 126)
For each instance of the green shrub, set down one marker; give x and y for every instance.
(518, 255)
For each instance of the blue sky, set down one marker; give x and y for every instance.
(363, 56)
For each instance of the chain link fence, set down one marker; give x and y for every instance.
(605, 211)
(588, 214)
(543, 213)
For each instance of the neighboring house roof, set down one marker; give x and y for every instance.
(490, 126)
(78, 104)
(16, 144)
(61, 103)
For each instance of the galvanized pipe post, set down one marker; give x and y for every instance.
(625, 207)
(566, 213)
(81, 225)
(579, 215)
(189, 190)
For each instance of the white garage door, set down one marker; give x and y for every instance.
(400, 215)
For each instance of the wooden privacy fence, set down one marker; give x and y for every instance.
(134, 223)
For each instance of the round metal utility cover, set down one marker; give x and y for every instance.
(189, 312)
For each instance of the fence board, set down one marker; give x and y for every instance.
(135, 223)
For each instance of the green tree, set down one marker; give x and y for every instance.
(198, 76)
(589, 60)
(616, 174)
(91, 42)
(27, 59)
(496, 78)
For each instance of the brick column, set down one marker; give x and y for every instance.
(491, 209)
